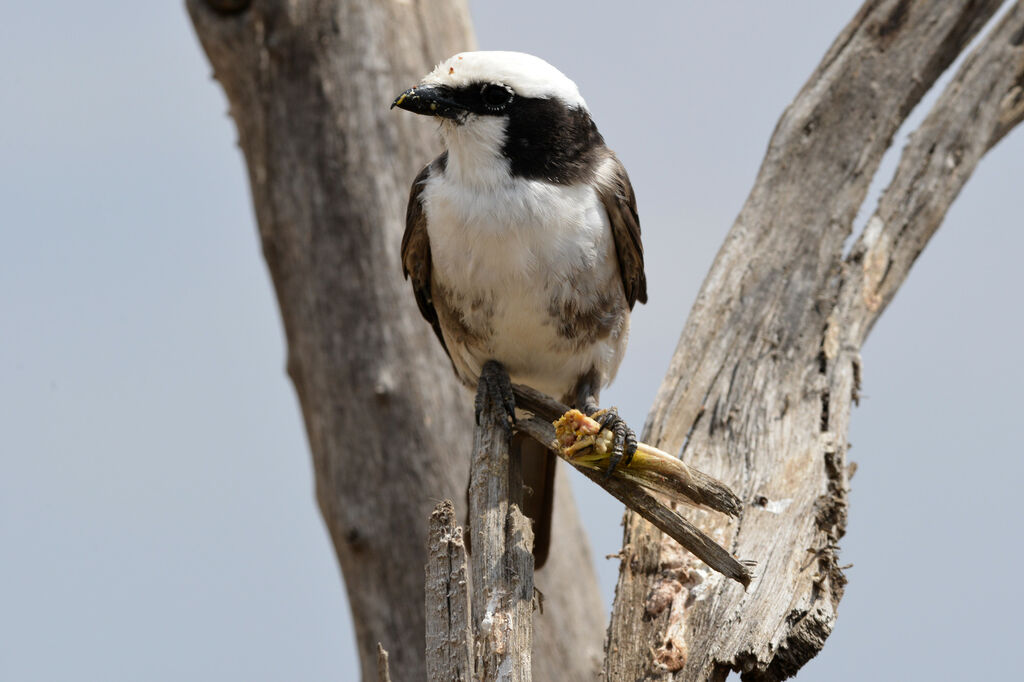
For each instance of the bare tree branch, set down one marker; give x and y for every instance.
(983, 102)
(759, 390)
(502, 560)
(702, 489)
(693, 484)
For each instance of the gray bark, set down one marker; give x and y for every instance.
(761, 385)
(308, 84)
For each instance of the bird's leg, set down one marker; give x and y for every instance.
(623, 439)
(496, 388)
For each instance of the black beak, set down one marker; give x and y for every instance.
(430, 101)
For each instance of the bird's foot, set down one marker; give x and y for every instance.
(495, 388)
(623, 438)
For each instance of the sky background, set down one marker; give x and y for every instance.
(157, 519)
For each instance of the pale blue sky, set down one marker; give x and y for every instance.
(157, 519)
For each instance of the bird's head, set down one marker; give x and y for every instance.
(511, 105)
(487, 84)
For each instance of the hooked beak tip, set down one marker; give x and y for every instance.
(429, 101)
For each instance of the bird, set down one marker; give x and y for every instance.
(522, 244)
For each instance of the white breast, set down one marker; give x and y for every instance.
(508, 248)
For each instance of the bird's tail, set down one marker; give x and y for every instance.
(538, 470)
(538, 466)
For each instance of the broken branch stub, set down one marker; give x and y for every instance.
(502, 558)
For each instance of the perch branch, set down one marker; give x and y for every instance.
(702, 489)
(502, 558)
(655, 511)
(652, 468)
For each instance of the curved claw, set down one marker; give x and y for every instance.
(630, 446)
(623, 442)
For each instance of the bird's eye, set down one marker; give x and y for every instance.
(496, 97)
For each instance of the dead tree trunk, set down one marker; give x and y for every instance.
(309, 83)
(762, 382)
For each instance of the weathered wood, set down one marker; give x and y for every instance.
(383, 666)
(759, 391)
(449, 629)
(695, 485)
(308, 83)
(649, 507)
(657, 513)
(982, 103)
(502, 558)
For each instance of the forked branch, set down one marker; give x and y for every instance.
(768, 365)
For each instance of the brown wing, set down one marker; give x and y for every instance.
(416, 263)
(617, 196)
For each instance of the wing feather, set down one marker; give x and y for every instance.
(416, 262)
(616, 194)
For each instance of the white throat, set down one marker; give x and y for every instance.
(475, 150)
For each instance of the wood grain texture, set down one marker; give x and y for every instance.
(761, 385)
(984, 101)
(308, 83)
(449, 629)
(383, 666)
(502, 559)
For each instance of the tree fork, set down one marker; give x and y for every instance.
(768, 361)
